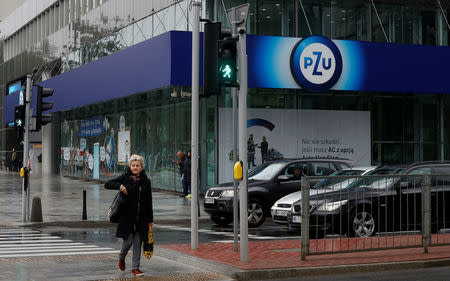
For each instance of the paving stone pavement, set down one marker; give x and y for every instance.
(62, 206)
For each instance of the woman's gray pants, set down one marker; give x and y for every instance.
(134, 239)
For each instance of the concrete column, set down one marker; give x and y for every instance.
(47, 150)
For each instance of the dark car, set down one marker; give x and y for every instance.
(379, 203)
(266, 184)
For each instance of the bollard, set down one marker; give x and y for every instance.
(36, 210)
(84, 206)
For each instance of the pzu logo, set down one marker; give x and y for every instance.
(316, 63)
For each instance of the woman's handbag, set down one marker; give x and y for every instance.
(114, 209)
(148, 244)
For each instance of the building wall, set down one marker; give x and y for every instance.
(8, 6)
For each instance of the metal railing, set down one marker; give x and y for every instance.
(363, 213)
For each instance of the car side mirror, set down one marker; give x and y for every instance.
(282, 178)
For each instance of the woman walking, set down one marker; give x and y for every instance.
(136, 212)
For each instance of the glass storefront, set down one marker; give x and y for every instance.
(404, 128)
(156, 126)
(159, 125)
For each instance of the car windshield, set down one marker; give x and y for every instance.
(266, 171)
(338, 183)
(379, 182)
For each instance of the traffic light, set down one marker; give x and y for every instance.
(19, 117)
(227, 70)
(211, 36)
(19, 121)
(43, 106)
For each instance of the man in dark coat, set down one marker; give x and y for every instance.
(136, 211)
(184, 164)
(187, 175)
(264, 147)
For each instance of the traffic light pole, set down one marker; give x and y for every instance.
(26, 181)
(243, 194)
(195, 120)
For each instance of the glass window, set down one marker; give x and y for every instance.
(295, 171)
(322, 168)
(275, 18)
(384, 110)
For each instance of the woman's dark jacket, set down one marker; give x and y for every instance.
(137, 211)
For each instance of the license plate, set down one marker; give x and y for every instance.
(297, 219)
(281, 213)
(209, 200)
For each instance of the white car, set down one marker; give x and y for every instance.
(281, 207)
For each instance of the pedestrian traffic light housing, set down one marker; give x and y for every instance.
(19, 117)
(227, 69)
(43, 106)
(211, 37)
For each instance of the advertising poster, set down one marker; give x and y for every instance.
(96, 161)
(124, 147)
(302, 133)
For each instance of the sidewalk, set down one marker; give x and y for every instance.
(62, 205)
(62, 201)
(282, 259)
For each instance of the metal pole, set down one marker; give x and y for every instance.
(26, 183)
(426, 213)
(235, 159)
(243, 198)
(195, 117)
(234, 96)
(305, 217)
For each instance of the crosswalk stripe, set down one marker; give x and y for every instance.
(59, 254)
(29, 238)
(33, 241)
(53, 250)
(41, 244)
(18, 231)
(24, 235)
(46, 247)
(226, 233)
(19, 243)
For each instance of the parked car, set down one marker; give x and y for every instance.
(380, 204)
(266, 184)
(282, 206)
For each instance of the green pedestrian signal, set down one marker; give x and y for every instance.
(226, 72)
(227, 62)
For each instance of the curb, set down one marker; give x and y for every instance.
(333, 270)
(209, 265)
(240, 274)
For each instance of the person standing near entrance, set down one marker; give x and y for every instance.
(184, 164)
(251, 151)
(14, 160)
(264, 147)
(136, 212)
(187, 175)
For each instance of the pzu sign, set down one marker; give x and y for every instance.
(316, 63)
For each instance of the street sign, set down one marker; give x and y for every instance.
(237, 16)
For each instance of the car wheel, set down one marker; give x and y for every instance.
(362, 223)
(256, 214)
(222, 220)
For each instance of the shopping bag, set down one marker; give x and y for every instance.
(148, 244)
(114, 209)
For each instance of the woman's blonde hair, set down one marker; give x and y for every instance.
(136, 157)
